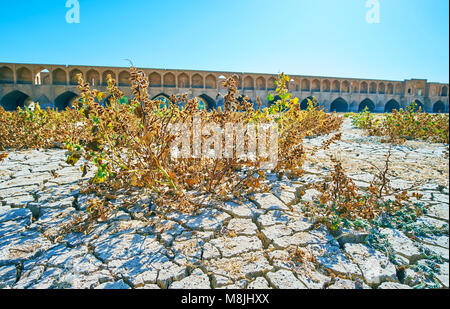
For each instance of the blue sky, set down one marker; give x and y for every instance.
(307, 37)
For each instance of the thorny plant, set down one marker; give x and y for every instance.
(37, 128)
(342, 204)
(130, 143)
(405, 124)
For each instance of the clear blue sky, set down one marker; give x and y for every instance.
(308, 37)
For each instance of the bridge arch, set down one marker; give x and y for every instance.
(381, 88)
(336, 86)
(169, 80)
(249, 83)
(59, 77)
(209, 102)
(162, 97)
(93, 78)
(275, 99)
(260, 83)
(339, 105)
(155, 80)
(366, 103)
(345, 87)
(419, 105)
(73, 76)
(326, 86)
(65, 100)
(15, 99)
(24, 76)
(390, 88)
(197, 81)
(6, 75)
(42, 77)
(304, 103)
(439, 107)
(183, 81)
(105, 77)
(444, 91)
(124, 79)
(44, 102)
(373, 88)
(315, 85)
(271, 83)
(306, 85)
(391, 105)
(354, 87)
(210, 82)
(364, 88)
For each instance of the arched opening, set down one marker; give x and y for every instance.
(124, 79)
(355, 87)
(238, 81)
(367, 103)
(275, 99)
(169, 80)
(105, 77)
(93, 78)
(439, 107)
(306, 86)
(345, 87)
(326, 86)
(260, 83)
(419, 105)
(210, 82)
(221, 80)
(271, 84)
(381, 88)
(197, 81)
(315, 86)
(163, 98)
(24, 76)
(373, 88)
(444, 91)
(42, 77)
(208, 101)
(390, 89)
(391, 106)
(293, 85)
(305, 103)
(398, 89)
(364, 87)
(65, 100)
(6, 76)
(73, 76)
(183, 81)
(44, 102)
(248, 83)
(339, 105)
(336, 87)
(59, 77)
(15, 99)
(155, 80)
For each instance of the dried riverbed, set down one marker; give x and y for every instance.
(263, 242)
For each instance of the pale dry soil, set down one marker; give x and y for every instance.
(262, 242)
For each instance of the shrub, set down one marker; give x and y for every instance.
(406, 124)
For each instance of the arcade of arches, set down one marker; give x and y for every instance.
(55, 86)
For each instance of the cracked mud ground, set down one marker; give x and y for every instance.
(260, 243)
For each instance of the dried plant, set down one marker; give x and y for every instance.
(406, 124)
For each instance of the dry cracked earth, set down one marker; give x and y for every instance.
(261, 243)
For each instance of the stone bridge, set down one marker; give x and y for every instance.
(55, 86)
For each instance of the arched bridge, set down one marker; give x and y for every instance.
(55, 86)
